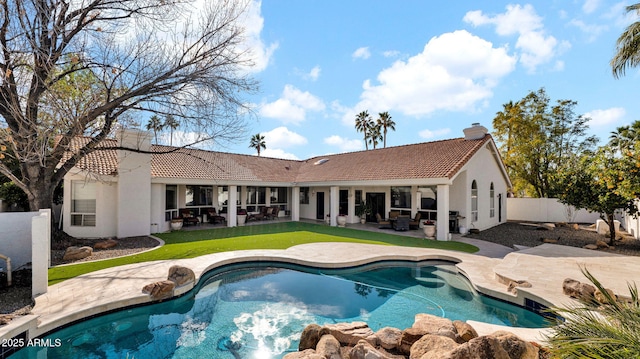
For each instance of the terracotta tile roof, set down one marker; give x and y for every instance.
(199, 164)
(438, 159)
(98, 162)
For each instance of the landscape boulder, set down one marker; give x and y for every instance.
(435, 346)
(350, 333)
(309, 337)
(389, 338)
(181, 275)
(601, 298)
(431, 324)
(515, 347)
(74, 253)
(109, 243)
(465, 331)
(575, 289)
(159, 290)
(305, 354)
(329, 347)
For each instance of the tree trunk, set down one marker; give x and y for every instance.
(40, 187)
(612, 229)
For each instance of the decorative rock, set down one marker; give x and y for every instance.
(517, 283)
(364, 350)
(435, 345)
(350, 333)
(109, 243)
(389, 338)
(309, 337)
(575, 289)
(329, 347)
(590, 246)
(305, 354)
(409, 337)
(549, 240)
(5, 318)
(515, 347)
(550, 226)
(465, 331)
(75, 253)
(575, 226)
(430, 324)
(181, 275)
(602, 244)
(159, 290)
(480, 347)
(600, 297)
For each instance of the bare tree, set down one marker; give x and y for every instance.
(71, 69)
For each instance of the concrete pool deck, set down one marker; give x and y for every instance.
(545, 267)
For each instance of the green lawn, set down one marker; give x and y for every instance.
(280, 235)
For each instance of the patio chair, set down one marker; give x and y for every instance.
(214, 218)
(382, 224)
(260, 216)
(272, 212)
(415, 223)
(188, 217)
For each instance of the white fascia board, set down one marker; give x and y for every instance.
(209, 182)
(399, 182)
(76, 174)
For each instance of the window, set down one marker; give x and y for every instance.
(83, 204)
(304, 195)
(278, 195)
(474, 201)
(492, 202)
(256, 196)
(401, 197)
(171, 202)
(199, 196)
(223, 197)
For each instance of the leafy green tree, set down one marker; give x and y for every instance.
(537, 141)
(596, 184)
(625, 142)
(364, 123)
(80, 69)
(385, 122)
(628, 46)
(155, 125)
(257, 142)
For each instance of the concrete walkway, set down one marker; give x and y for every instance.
(545, 267)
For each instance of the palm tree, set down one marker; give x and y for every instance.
(627, 47)
(625, 137)
(375, 135)
(172, 123)
(257, 142)
(386, 123)
(363, 124)
(156, 125)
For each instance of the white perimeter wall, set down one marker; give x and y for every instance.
(546, 210)
(15, 237)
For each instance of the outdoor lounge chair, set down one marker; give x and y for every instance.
(188, 217)
(382, 223)
(415, 223)
(274, 213)
(214, 218)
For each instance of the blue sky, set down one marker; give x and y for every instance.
(435, 67)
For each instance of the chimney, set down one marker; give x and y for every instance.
(475, 132)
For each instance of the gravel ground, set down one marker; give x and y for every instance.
(530, 235)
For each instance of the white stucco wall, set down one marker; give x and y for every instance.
(106, 208)
(632, 225)
(158, 201)
(546, 210)
(15, 237)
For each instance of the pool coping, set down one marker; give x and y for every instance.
(545, 267)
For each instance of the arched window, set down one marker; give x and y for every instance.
(492, 201)
(474, 201)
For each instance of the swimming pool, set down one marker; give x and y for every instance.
(258, 310)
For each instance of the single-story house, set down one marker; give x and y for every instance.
(461, 182)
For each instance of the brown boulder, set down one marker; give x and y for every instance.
(389, 338)
(329, 347)
(601, 244)
(409, 336)
(109, 243)
(601, 298)
(590, 246)
(465, 331)
(432, 347)
(575, 289)
(309, 337)
(305, 354)
(159, 290)
(483, 347)
(5, 318)
(74, 253)
(181, 275)
(515, 347)
(364, 350)
(431, 324)
(350, 333)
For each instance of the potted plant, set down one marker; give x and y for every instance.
(176, 223)
(241, 216)
(362, 211)
(429, 228)
(342, 220)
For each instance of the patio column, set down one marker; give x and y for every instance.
(295, 204)
(442, 224)
(231, 206)
(334, 207)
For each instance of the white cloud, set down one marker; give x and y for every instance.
(535, 46)
(430, 134)
(292, 106)
(590, 6)
(455, 72)
(605, 117)
(391, 53)
(282, 137)
(592, 31)
(344, 144)
(278, 153)
(361, 53)
(259, 52)
(313, 74)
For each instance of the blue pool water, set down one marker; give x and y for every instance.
(259, 310)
